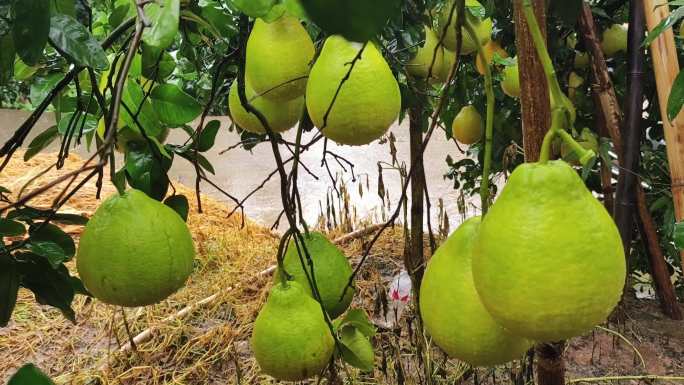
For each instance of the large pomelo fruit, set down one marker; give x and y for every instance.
(279, 55)
(549, 262)
(368, 102)
(429, 59)
(291, 340)
(281, 116)
(483, 28)
(331, 270)
(452, 311)
(134, 251)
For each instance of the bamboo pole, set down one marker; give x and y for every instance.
(666, 68)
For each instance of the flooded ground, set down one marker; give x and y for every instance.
(239, 172)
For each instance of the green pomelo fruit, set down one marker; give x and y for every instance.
(423, 64)
(467, 127)
(331, 270)
(581, 60)
(356, 20)
(549, 262)
(359, 350)
(449, 59)
(368, 102)
(483, 28)
(134, 251)
(452, 311)
(281, 116)
(291, 340)
(510, 84)
(614, 40)
(279, 56)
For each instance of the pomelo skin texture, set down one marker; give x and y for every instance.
(422, 64)
(483, 28)
(510, 84)
(452, 311)
(134, 251)
(291, 340)
(467, 126)
(549, 262)
(281, 116)
(368, 102)
(278, 54)
(331, 270)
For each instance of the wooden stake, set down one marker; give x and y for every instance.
(666, 68)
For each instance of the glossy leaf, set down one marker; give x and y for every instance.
(254, 8)
(32, 214)
(10, 228)
(220, 21)
(164, 18)
(67, 7)
(666, 23)
(73, 40)
(676, 99)
(356, 349)
(146, 170)
(357, 20)
(79, 124)
(174, 106)
(134, 98)
(9, 287)
(208, 137)
(51, 286)
(156, 64)
(31, 29)
(40, 142)
(179, 203)
(51, 242)
(22, 71)
(29, 374)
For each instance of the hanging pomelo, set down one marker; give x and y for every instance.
(614, 40)
(483, 27)
(467, 127)
(510, 83)
(549, 262)
(452, 311)
(491, 49)
(291, 340)
(429, 59)
(279, 55)
(331, 271)
(368, 102)
(449, 59)
(134, 251)
(281, 116)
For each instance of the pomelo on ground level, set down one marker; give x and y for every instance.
(549, 262)
(291, 340)
(134, 251)
(452, 311)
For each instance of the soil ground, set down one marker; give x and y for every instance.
(209, 344)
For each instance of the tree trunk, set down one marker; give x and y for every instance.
(536, 119)
(414, 258)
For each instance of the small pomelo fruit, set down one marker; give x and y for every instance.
(510, 84)
(368, 102)
(483, 28)
(452, 311)
(134, 251)
(291, 340)
(581, 60)
(422, 64)
(281, 116)
(467, 127)
(549, 262)
(574, 82)
(331, 270)
(614, 40)
(490, 49)
(279, 55)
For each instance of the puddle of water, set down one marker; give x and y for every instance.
(239, 172)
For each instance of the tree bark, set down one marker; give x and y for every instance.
(534, 89)
(415, 264)
(536, 119)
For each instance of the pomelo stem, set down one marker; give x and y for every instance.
(489, 125)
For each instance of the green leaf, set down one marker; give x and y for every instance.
(22, 71)
(30, 375)
(6, 59)
(9, 287)
(358, 319)
(668, 22)
(31, 214)
(87, 122)
(275, 13)
(254, 8)
(31, 29)
(356, 349)
(146, 170)
(41, 86)
(357, 20)
(51, 242)
(220, 21)
(73, 40)
(208, 137)
(294, 8)
(134, 98)
(179, 203)
(156, 64)
(679, 235)
(165, 19)
(52, 287)
(67, 7)
(174, 106)
(10, 228)
(123, 10)
(676, 99)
